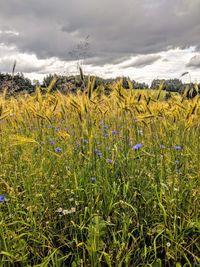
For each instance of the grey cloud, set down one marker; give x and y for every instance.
(194, 62)
(143, 61)
(106, 58)
(117, 29)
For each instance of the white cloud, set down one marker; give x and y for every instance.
(194, 61)
(169, 64)
(9, 32)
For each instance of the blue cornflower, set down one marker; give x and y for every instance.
(96, 150)
(178, 147)
(114, 132)
(85, 141)
(93, 179)
(58, 149)
(109, 161)
(177, 170)
(162, 146)
(106, 135)
(57, 129)
(137, 147)
(50, 126)
(2, 198)
(51, 142)
(177, 161)
(99, 154)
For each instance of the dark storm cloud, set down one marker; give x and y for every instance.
(194, 62)
(117, 29)
(143, 61)
(106, 58)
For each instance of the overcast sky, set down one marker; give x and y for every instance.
(142, 39)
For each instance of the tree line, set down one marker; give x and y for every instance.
(15, 84)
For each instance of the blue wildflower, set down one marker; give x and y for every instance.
(93, 179)
(57, 129)
(2, 198)
(85, 141)
(162, 146)
(109, 161)
(58, 149)
(106, 135)
(96, 150)
(178, 147)
(114, 132)
(177, 161)
(51, 142)
(50, 126)
(137, 147)
(99, 154)
(177, 170)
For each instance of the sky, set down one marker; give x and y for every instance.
(141, 39)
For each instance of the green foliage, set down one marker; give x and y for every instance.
(15, 84)
(97, 180)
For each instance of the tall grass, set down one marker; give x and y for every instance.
(95, 180)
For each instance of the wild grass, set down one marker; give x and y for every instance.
(95, 180)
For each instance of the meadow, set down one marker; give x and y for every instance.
(99, 180)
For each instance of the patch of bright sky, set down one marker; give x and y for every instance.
(10, 32)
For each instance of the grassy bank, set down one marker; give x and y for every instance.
(94, 180)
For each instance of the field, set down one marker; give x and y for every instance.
(99, 180)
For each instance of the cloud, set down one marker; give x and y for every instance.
(117, 29)
(8, 32)
(142, 61)
(194, 62)
(24, 62)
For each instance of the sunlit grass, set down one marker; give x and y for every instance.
(95, 180)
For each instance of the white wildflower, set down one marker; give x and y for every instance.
(59, 210)
(73, 209)
(65, 212)
(168, 244)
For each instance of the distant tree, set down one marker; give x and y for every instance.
(156, 83)
(137, 85)
(173, 85)
(170, 85)
(15, 84)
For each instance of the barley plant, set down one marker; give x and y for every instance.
(99, 180)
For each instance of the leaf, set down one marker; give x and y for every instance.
(157, 263)
(21, 140)
(63, 135)
(52, 83)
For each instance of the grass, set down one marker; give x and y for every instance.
(81, 191)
